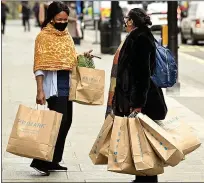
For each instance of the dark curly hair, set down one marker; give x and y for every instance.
(53, 9)
(139, 17)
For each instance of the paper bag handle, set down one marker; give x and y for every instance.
(133, 114)
(36, 106)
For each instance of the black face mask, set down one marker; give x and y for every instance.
(60, 26)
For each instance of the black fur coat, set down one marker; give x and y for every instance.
(134, 87)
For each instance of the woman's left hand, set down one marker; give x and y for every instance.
(88, 54)
(136, 110)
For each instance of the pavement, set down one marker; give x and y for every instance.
(18, 87)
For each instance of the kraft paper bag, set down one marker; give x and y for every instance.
(120, 157)
(181, 132)
(144, 157)
(105, 147)
(96, 156)
(87, 86)
(34, 133)
(162, 142)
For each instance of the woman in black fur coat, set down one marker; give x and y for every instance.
(135, 91)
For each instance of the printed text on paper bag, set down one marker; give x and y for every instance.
(91, 79)
(33, 124)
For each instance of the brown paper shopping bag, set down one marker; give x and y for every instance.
(144, 157)
(95, 154)
(120, 157)
(162, 142)
(106, 146)
(34, 133)
(181, 132)
(87, 86)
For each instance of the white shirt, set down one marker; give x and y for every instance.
(49, 82)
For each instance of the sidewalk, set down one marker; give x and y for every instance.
(19, 87)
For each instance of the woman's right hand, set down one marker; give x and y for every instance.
(40, 98)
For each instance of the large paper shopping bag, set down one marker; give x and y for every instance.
(87, 86)
(34, 133)
(182, 133)
(95, 154)
(162, 142)
(120, 158)
(106, 146)
(144, 157)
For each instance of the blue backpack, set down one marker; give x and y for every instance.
(165, 73)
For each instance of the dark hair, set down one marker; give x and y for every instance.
(53, 9)
(139, 17)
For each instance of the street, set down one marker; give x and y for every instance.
(19, 87)
(194, 50)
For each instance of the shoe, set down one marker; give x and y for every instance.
(56, 168)
(42, 171)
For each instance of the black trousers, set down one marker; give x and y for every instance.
(26, 23)
(61, 105)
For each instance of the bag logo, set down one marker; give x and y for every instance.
(29, 123)
(91, 79)
(116, 147)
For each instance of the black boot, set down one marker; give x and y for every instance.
(148, 179)
(56, 167)
(41, 167)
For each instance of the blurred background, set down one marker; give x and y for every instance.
(99, 25)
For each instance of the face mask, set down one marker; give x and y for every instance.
(60, 26)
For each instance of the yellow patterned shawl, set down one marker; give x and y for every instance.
(54, 50)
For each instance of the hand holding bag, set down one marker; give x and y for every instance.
(87, 86)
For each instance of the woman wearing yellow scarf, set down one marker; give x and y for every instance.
(55, 56)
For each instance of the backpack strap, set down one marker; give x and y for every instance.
(158, 42)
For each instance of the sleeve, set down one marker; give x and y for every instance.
(39, 73)
(140, 71)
